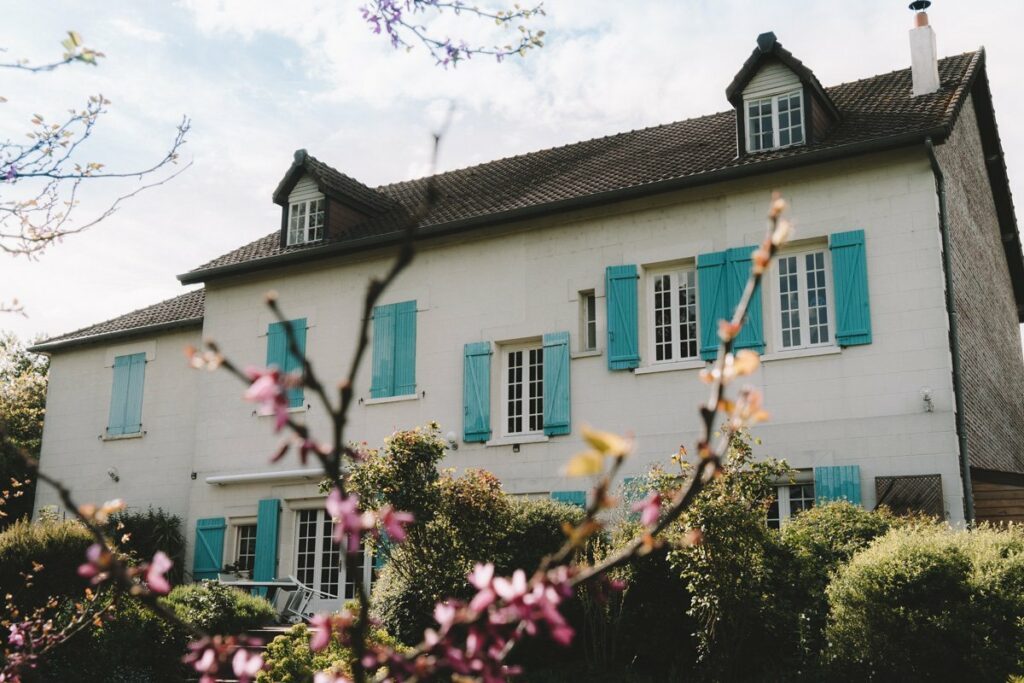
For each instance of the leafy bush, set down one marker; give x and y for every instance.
(147, 532)
(131, 645)
(51, 551)
(288, 658)
(217, 608)
(928, 602)
(820, 541)
(742, 592)
(459, 521)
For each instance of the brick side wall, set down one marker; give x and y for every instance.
(990, 344)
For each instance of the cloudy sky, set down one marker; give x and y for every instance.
(262, 78)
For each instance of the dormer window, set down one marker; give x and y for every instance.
(305, 221)
(775, 122)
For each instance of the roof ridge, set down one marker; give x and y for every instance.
(410, 181)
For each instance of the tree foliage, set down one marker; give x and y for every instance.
(23, 381)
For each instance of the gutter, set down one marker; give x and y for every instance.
(954, 334)
(48, 347)
(587, 201)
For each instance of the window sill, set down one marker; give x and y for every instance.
(518, 439)
(122, 437)
(802, 353)
(669, 367)
(585, 354)
(297, 409)
(390, 399)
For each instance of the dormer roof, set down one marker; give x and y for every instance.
(769, 50)
(333, 184)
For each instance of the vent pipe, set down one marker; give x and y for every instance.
(924, 60)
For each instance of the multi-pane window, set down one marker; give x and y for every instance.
(774, 122)
(803, 299)
(245, 547)
(588, 320)
(322, 565)
(524, 390)
(306, 221)
(790, 501)
(674, 315)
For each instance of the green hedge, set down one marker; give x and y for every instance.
(288, 658)
(930, 603)
(58, 546)
(217, 608)
(142, 534)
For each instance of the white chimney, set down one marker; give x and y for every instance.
(924, 61)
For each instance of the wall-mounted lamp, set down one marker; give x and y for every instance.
(453, 440)
(114, 476)
(926, 397)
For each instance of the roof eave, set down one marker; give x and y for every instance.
(938, 134)
(49, 347)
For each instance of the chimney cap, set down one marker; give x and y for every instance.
(766, 41)
(920, 5)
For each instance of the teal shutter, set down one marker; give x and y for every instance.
(209, 548)
(264, 566)
(751, 335)
(557, 406)
(850, 280)
(381, 551)
(405, 348)
(570, 497)
(623, 336)
(837, 483)
(280, 356)
(476, 392)
(712, 300)
(126, 395)
(383, 381)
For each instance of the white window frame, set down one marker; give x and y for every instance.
(776, 143)
(238, 545)
(506, 351)
(306, 219)
(320, 540)
(776, 305)
(653, 276)
(784, 496)
(588, 319)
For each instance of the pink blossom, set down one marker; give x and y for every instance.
(348, 521)
(394, 522)
(267, 389)
(325, 677)
(310, 446)
(16, 638)
(246, 665)
(155, 579)
(649, 508)
(322, 625)
(510, 590)
(98, 560)
(444, 613)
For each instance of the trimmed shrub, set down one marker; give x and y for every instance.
(217, 608)
(288, 658)
(928, 602)
(821, 540)
(131, 645)
(147, 532)
(59, 547)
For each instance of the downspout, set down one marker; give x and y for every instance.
(954, 333)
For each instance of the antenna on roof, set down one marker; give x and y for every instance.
(920, 5)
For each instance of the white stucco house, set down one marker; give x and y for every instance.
(582, 284)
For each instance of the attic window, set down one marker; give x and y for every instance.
(305, 221)
(775, 122)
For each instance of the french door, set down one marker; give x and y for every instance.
(321, 564)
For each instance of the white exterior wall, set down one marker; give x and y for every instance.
(861, 405)
(153, 468)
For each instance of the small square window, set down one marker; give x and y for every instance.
(588, 321)
(790, 500)
(775, 122)
(306, 221)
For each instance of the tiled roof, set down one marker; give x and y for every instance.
(871, 109)
(181, 311)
